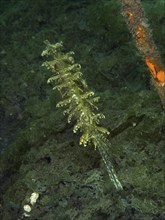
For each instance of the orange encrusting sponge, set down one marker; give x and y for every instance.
(156, 71)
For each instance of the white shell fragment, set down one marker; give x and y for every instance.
(26, 214)
(33, 198)
(27, 208)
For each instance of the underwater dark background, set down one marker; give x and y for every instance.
(40, 153)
